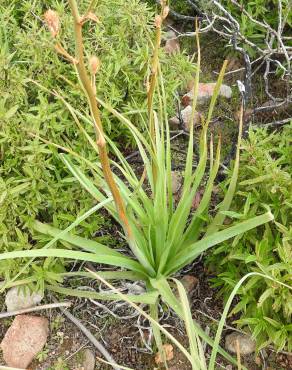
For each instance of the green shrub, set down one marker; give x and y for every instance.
(262, 11)
(266, 12)
(264, 179)
(33, 182)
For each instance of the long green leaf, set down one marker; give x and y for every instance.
(83, 243)
(196, 349)
(167, 295)
(193, 230)
(58, 234)
(97, 257)
(194, 250)
(145, 298)
(225, 205)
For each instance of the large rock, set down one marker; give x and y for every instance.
(186, 118)
(206, 91)
(246, 344)
(18, 299)
(24, 339)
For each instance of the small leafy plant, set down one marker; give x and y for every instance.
(265, 179)
(162, 236)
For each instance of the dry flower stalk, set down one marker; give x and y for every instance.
(154, 69)
(52, 21)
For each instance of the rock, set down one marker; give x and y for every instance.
(168, 354)
(18, 299)
(206, 91)
(234, 64)
(174, 122)
(88, 362)
(134, 288)
(186, 116)
(172, 46)
(24, 339)
(246, 344)
(176, 181)
(170, 34)
(197, 200)
(189, 282)
(171, 43)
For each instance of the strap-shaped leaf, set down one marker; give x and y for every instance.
(145, 298)
(225, 205)
(194, 250)
(97, 257)
(167, 295)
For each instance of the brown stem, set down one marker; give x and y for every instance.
(59, 48)
(90, 94)
(154, 67)
(153, 75)
(153, 79)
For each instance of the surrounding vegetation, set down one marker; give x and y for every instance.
(85, 85)
(33, 182)
(262, 12)
(264, 180)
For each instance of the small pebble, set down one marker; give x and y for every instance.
(246, 344)
(88, 359)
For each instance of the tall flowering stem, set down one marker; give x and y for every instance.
(89, 90)
(154, 70)
(155, 60)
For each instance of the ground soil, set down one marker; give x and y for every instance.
(121, 337)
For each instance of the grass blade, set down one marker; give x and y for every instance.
(108, 259)
(194, 250)
(225, 205)
(145, 298)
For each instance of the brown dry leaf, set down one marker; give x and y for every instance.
(176, 181)
(234, 64)
(168, 350)
(246, 117)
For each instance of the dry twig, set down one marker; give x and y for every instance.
(33, 309)
(91, 337)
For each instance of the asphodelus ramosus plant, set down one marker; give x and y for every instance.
(162, 236)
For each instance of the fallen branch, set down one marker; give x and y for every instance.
(92, 338)
(33, 309)
(278, 123)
